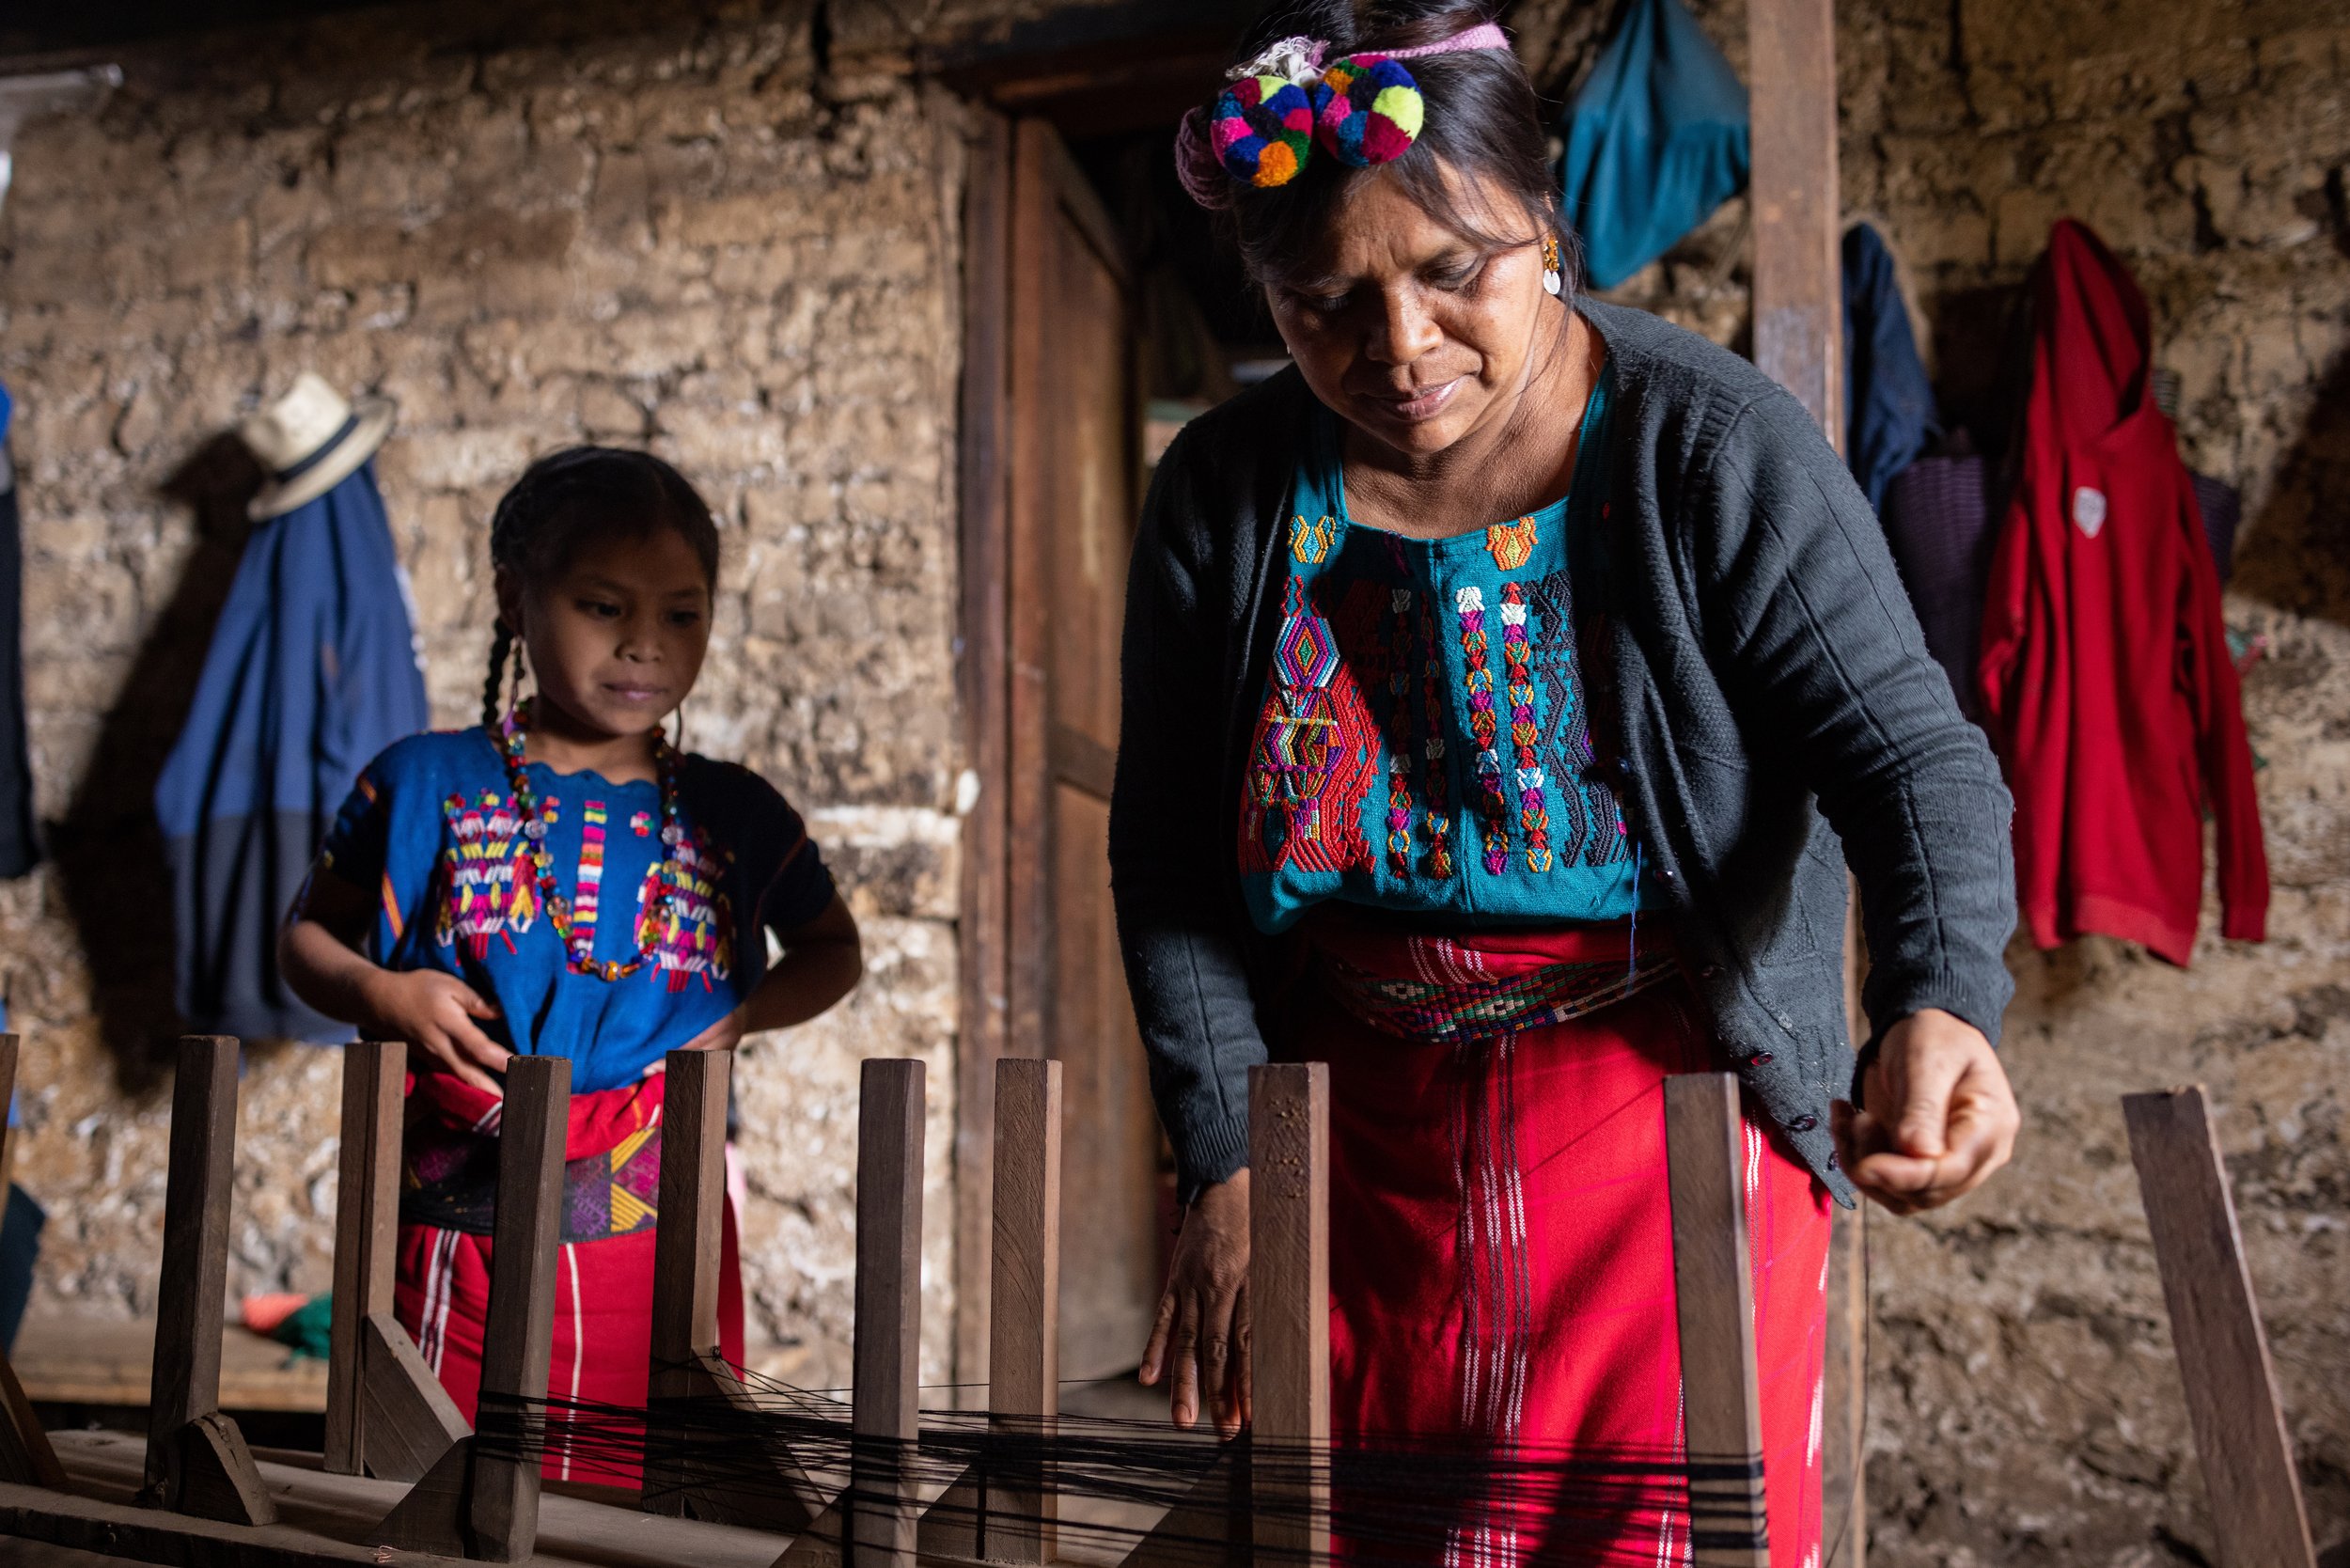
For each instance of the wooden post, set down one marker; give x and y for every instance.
(1713, 1288)
(1797, 207)
(25, 1457)
(690, 1373)
(880, 1528)
(386, 1414)
(1288, 1304)
(482, 1499)
(197, 1459)
(2240, 1424)
(1024, 1338)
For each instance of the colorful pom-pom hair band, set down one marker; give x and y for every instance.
(1362, 109)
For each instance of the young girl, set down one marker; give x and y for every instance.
(561, 881)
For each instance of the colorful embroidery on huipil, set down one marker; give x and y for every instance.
(1493, 811)
(1399, 741)
(1592, 833)
(1310, 542)
(1512, 544)
(590, 874)
(641, 824)
(1533, 814)
(483, 895)
(1314, 752)
(1439, 814)
(698, 936)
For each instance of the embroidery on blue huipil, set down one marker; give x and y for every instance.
(1590, 830)
(641, 824)
(1310, 542)
(484, 895)
(1399, 749)
(1438, 816)
(1533, 805)
(698, 938)
(1313, 754)
(1512, 544)
(1491, 810)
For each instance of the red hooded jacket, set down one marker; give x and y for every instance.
(2105, 673)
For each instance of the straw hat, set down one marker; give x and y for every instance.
(309, 441)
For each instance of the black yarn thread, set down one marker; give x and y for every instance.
(1395, 1499)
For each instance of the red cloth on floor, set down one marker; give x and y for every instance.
(2105, 671)
(603, 1289)
(1501, 1258)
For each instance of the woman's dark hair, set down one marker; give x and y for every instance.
(574, 498)
(1482, 119)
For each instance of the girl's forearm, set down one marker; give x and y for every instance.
(326, 973)
(808, 980)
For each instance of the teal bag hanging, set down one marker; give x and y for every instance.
(1657, 139)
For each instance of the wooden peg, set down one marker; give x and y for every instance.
(1715, 1291)
(880, 1531)
(26, 1458)
(480, 1501)
(2240, 1436)
(875, 1523)
(386, 1414)
(1004, 1508)
(197, 1460)
(687, 1366)
(1289, 1307)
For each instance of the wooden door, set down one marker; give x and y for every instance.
(1073, 491)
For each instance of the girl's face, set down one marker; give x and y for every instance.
(616, 641)
(1410, 332)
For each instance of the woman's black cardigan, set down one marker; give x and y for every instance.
(1778, 718)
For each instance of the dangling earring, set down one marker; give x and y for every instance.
(1553, 281)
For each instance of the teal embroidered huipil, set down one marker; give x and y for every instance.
(1423, 745)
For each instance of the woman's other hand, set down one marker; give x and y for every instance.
(436, 1013)
(1936, 1116)
(1200, 1339)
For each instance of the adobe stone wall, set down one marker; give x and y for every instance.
(673, 227)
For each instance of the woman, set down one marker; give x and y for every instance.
(1508, 687)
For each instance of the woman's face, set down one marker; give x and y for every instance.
(1414, 335)
(617, 640)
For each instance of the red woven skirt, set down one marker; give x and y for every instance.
(1501, 1271)
(603, 1273)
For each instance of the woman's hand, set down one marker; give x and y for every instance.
(435, 1012)
(1936, 1116)
(1203, 1317)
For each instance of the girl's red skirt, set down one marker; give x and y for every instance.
(603, 1273)
(1501, 1271)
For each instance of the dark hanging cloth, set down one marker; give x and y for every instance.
(311, 672)
(1937, 515)
(20, 847)
(1657, 139)
(1890, 402)
(2222, 509)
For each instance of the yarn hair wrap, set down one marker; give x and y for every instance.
(1363, 109)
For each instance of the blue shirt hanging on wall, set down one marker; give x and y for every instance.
(1891, 416)
(312, 671)
(1657, 139)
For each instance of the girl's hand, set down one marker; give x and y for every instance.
(1936, 1116)
(435, 1012)
(724, 1035)
(1203, 1317)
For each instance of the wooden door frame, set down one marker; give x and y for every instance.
(1126, 65)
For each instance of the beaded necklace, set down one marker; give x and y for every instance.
(579, 946)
